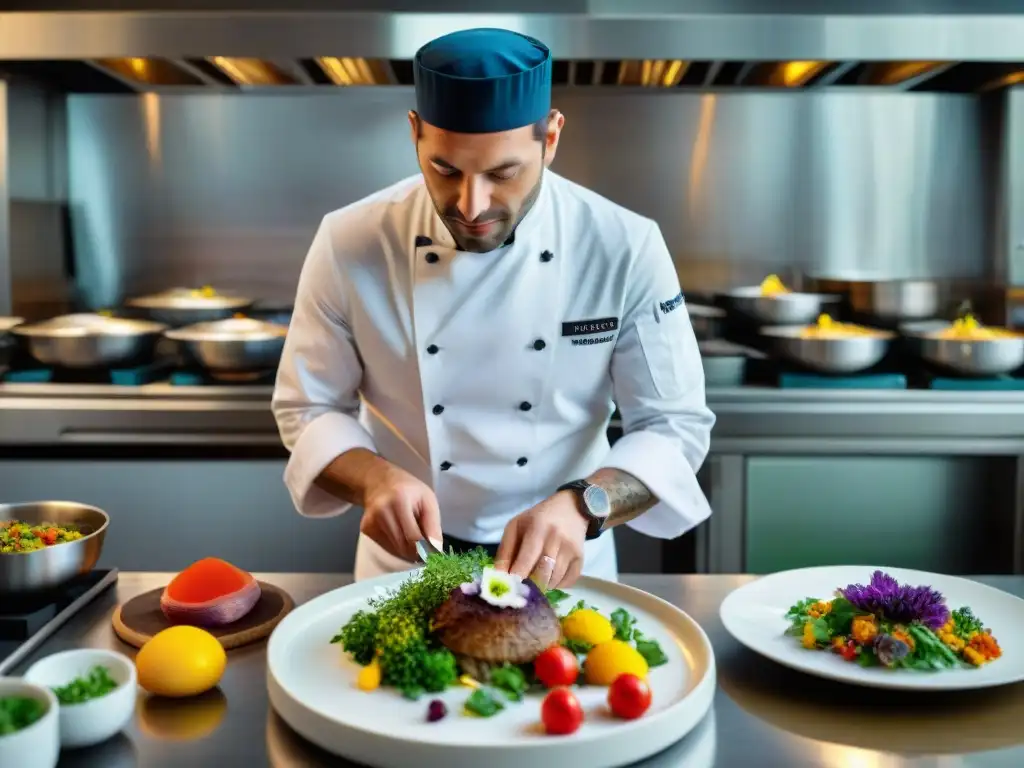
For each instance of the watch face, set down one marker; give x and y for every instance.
(597, 501)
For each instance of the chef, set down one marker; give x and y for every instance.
(460, 341)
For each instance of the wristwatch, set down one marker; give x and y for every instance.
(595, 505)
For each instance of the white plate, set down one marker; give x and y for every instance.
(312, 686)
(754, 614)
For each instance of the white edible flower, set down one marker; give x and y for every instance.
(503, 590)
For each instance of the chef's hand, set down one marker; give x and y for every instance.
(545, 542)
(398, 511)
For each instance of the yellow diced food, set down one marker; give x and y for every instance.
(864, 629)
(369, 677)
(587, 626)
(808, 636)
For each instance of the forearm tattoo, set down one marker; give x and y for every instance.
(628, 496)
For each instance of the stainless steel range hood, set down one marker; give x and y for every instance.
(941, 44)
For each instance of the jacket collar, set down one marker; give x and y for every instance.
(440, 236)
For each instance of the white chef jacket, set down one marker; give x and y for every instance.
(492, 376)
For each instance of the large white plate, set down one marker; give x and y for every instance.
(754, 614)
(311, 685)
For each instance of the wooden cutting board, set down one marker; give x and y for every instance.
(140, 618)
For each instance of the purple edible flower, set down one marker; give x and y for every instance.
(889, 649)
(886, 597)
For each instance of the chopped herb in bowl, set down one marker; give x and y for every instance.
(95, 684)
(19, 712)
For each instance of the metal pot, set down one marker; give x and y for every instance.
(235, 345)
(981, 357)
(706, 321)
(780, 309)
(7, 341)
(891, 299)
(91, 341)
(26, 572)
(847, 354)
(179, 307)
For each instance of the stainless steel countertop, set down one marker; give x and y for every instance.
(750, 419)
(764, 715)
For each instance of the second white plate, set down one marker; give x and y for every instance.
(755, 614)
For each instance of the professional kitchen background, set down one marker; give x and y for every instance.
(140, 160)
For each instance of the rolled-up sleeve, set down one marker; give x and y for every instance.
(659, 389)
(316, 395)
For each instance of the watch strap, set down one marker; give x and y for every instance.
(595, 524)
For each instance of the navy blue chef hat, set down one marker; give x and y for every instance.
(483, 81)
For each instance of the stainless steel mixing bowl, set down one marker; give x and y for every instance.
(179, 307)
(42, 569)
(235, 345)
(781, 309)
(846, 354)
(970, 357)
(90, 341)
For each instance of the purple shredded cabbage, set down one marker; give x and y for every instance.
(897, 602)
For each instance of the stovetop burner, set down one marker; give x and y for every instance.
(134, 377)
(27, 620)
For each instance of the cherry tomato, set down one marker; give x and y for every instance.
(849, 651)
(629, 697)
(561, 712)
(556, 666)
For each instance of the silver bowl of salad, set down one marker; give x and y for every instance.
(45, 544)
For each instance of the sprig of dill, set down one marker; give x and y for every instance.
(395, 629)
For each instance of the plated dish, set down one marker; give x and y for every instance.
(907, 627)
(461, 622)
(898, 626)
(466, 666)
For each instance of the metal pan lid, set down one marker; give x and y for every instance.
(190, 298)
(231, 329)
(89, 324)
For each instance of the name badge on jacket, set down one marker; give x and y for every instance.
(600, 330)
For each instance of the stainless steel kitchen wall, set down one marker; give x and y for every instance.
(37, 187)
(228, 189)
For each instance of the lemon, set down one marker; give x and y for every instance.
(587, 626)
(607, 661)
(180, 661)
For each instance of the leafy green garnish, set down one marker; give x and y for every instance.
(624, 624)
(579, 647)
(396, 627)
(797, 615)
(359, 636)
(555, 596)
(18, 712)
(836, 622)
(840, 618)
(965, 623)
(650, 650)
(95, 684)
(483, 704)
(866, 658)
(510, 680)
